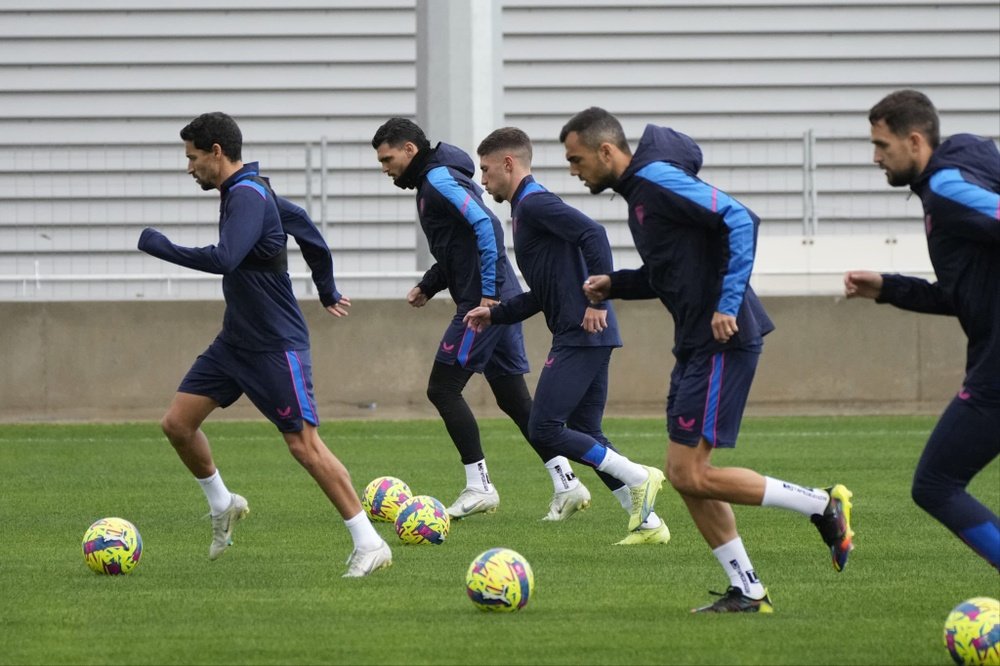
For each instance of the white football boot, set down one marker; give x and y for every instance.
(567, 502)
(223, 524)
(472, 501)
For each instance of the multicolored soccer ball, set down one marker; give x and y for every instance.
(500, 580)
(383, 497)
(972, 632)
(423, 519)
(112, 546)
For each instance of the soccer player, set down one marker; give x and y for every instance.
(466, 241)
(557, 247)
(958, 182)
(263, 349)
(697, 246)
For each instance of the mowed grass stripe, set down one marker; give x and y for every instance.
(277, 597)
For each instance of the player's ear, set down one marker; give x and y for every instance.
(605, 151)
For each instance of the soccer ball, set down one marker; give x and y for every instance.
(500, 580)
(423, 519)
(112, 546)
(972, 632)
(383, 496)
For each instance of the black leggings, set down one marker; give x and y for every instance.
(444, 390)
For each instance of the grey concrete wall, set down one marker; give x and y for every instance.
(123, 360)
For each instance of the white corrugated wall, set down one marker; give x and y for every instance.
(91, 102)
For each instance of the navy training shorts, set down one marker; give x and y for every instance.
(279, 384)
(495, 352)
(707, 396)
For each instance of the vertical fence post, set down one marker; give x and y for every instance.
(309, 177)
(810, 218)
(322, 185)
(807, 183)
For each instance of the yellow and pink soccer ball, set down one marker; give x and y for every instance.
(500, 579)
(423, 519)
(383, 496)
(972, 632)
(112, 546)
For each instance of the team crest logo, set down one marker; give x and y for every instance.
(686, 424)
(640, 214)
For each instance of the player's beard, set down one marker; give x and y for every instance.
(902, 178)
(606, 180)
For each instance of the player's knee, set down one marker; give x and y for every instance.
(442, 395)
(176, 430)
(543, 433)
(685, 479)
(927, 494)
(301, 451)
(514, 405)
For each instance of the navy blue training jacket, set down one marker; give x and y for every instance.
(557, 247)
(464, 236)
(262, 313)
(696, 242)
(960, 191)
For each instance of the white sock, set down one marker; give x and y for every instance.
(477, 477)
(623, 469)
(563, 478)
(652, 522)
(624, 497)
(362, 533)
(784, 495)
(218, 496)
(734, 559)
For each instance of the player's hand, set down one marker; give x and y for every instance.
(416, 297)
(594, 320)
(340, 308)
(724, 326)
(597, 288)
(862, 284)
(478, 318)
(487, 302)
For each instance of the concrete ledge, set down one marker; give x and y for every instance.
(123, 360)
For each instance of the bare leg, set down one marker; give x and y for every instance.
(182, 426)
(330, 474)
(707, 491)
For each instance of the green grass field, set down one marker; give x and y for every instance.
(277, 597)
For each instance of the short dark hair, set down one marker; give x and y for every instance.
(596, 126)
(506, 138)
(215, 127)
(906, 111)
(397, 131)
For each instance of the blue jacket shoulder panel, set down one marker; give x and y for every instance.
(464, 236)
(262, 313)
(697, 243)
(960, 192)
